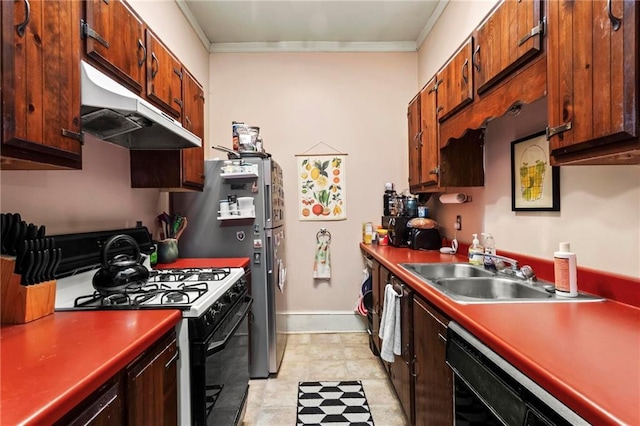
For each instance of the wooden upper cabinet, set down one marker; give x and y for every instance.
(175, 170)
(41, 85)
(508, 37)
(164, 76)
(415, 142)
(455, 82)
(430, 154)
(592, 71)
(193, 120)
(115, 39)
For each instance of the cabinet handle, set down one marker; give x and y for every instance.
(414, 362)
(141, 47)
(186, 119)
(476, 54)
(444, 339)
(154, 71)
(173, 359)
(615, 22)
(178, 101)
(435, 171)
(465, 71)
(22, 26)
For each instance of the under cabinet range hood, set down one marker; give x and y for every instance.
(115, 114)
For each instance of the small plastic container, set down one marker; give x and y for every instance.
(383, 237)
(565, 271)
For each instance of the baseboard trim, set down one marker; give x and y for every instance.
(324, 322)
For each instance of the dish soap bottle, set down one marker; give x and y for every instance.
(489, 248)
(476, 251)
(565, 271)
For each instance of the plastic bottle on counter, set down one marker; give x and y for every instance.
(489, 248)
(565, 270)
(367, 234)
(476, 251)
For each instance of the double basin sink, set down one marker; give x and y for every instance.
(466, 283)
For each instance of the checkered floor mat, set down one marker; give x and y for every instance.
(333, 403)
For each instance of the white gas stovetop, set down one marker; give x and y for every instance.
(193, 290)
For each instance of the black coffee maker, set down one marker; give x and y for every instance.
(399, 232)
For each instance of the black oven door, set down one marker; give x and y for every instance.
(220, 370)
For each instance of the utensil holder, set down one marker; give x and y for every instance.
(19, 303)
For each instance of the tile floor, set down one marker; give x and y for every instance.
(339, 356)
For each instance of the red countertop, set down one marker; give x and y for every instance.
(50, 365)
(222, 262)
(586, 354)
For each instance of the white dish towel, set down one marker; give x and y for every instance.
(390, 330)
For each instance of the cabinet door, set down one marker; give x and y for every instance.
(433, 377)
(152, 387)
(115, 39)
(193, 120)
(456, 82)
(507, 38)
(400, 369)
(104, 407)
(430, 142)
(377, 288)
(41, 85)
(592, 71)
(415, 141)
(164, 76)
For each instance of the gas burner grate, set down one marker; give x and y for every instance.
(178, 275)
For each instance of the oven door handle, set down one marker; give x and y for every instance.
(219, 345)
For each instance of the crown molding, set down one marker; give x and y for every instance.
(442, 4)
(194, 23)
(313, 46)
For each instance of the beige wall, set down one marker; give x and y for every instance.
(354, 102)
(100, 197)
(600, 205)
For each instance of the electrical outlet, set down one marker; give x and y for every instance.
(458, 224)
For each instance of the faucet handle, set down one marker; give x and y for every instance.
(527, 272)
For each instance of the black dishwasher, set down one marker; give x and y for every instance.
(490, 391)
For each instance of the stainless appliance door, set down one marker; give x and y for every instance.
(274, 195)
(276, 297)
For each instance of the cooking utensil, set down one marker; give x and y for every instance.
(41, 231)
(183, 226)
(6, 236)
(27, 267)
(20, 234)
(122, 270)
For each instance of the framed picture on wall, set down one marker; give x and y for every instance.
(535, 184)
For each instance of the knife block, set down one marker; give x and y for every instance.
(20, 304)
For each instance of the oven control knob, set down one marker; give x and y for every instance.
(208, 318)
(228, 296)
(217, 307)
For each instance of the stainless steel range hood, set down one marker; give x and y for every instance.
(115, 114)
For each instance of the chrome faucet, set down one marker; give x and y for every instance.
(526, 272)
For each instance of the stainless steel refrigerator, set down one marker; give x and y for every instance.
(260, 238)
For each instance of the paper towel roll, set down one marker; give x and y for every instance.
(455, 198)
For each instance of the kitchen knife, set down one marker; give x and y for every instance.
(27, 267)
(32, 232)
(20, 234)
(3, 230)
(41, 231)
(36, 267)
(6, 238)
(58, 258)
(20, 255)
(51, 265)
(13, 235)
(42, 277)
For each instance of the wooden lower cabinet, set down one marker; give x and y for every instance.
(143, 393)
(433, 379)
(152, 387)
(377, 292)
(400, 369)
